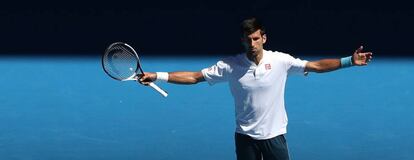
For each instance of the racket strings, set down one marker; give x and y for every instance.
(120, 63)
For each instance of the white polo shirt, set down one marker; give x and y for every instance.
(258, 90)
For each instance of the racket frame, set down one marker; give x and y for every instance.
(139, 68)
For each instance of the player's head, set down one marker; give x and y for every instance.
(253, 35)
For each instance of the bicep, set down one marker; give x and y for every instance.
(199, 76)
(295, 65)
(184, 77)
(215, 74)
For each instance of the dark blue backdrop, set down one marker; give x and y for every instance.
(206, 27)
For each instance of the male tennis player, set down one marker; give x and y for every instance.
(257, 82)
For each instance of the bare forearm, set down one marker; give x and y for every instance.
(185, 77)
(324, 65)
(359, 58)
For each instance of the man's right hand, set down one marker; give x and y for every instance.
(147, 78)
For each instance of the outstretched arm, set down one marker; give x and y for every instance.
(173, 77)
(359, 58)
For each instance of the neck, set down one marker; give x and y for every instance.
(255, 57)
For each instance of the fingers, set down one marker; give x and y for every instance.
(369, 56)
(145, 78)
(361, 58)
(365, 57)
(359, 50)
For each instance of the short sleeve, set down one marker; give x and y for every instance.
(216, 73)
(295, 65)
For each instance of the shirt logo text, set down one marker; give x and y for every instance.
(268, 66)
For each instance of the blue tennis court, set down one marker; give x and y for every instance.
(66, 108)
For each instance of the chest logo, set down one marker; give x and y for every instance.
(268, 66)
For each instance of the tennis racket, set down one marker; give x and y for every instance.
(121, 62)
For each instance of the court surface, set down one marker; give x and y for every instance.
(68, 109)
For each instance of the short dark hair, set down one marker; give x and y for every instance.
(251, 25)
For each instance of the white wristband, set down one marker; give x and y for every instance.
(162, 76)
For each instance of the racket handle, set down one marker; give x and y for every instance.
(162, 92)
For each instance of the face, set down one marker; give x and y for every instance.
(253, 43)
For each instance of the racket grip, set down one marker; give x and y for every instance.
(161, 91)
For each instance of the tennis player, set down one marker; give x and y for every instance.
(257, 81)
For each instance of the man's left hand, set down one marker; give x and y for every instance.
(361, 58)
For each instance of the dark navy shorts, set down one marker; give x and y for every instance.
(248, 148)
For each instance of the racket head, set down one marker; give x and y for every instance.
(121, 62)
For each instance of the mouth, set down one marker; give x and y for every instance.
(252, 50)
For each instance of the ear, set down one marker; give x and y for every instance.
(264, 38)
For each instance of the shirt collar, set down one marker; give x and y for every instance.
(251, 63)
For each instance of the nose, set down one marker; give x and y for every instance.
(250, 44)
